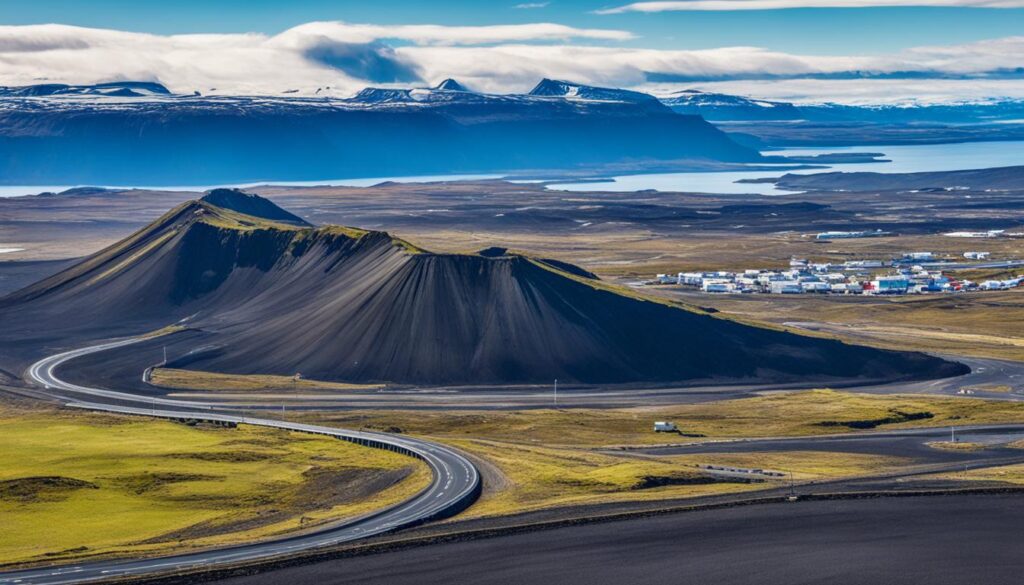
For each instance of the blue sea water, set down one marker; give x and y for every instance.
(905, 159)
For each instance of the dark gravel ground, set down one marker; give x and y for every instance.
(911, 540)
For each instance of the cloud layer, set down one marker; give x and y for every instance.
(347, 57)
(859, 91)
(785, 4)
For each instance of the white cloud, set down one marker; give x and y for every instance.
(529, 5)
(347, 57)
(306, 57)
(430, 34)
(706, 5)
(858, 91)
(516, 67)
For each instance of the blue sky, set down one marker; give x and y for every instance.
(841, 50)
(818, 30)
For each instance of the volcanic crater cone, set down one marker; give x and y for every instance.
(270, 295)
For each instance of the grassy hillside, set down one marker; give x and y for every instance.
(77, 485)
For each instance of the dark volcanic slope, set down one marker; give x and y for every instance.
(254, 205)
(343, 304)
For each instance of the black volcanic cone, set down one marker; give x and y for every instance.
(344, 304)
(251, 204)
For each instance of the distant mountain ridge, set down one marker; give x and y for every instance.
(569, 90)
(719, 107)
(450, 90)
(999, 178)
(156, 139)
(450, 85)
(112, 89)
(713, 106)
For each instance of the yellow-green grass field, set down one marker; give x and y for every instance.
(211, 381)
(795, 413)
(536, 477)
(984, 324)
(1011, 474)
(1003, 473)
(956, 446)
(549, 458)
(75, 485)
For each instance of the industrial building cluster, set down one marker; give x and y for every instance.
(836, 235)
(913, 273)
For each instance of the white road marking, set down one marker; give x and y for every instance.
(423, 506)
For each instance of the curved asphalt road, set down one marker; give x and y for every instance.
(908, 443)
(456, 481)
(986, 374)
(455, 485)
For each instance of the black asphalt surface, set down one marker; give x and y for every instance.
(113, 369)
(454, 486)
(909, 443)
(937, 540)
(625, 552)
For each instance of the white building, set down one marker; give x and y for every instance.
(988, 234)
(863, 264)
(717, 285)
(1001, 284)
(890, 285)
(785, 287)
(691, 278)
(816, 287)
(919, 256)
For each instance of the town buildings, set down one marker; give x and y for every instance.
(911, 273)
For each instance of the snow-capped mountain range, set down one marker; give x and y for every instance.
(114, 89)
(719, 107)
(445, 91)
(139, 133)
(709, 105)
(729, 107)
